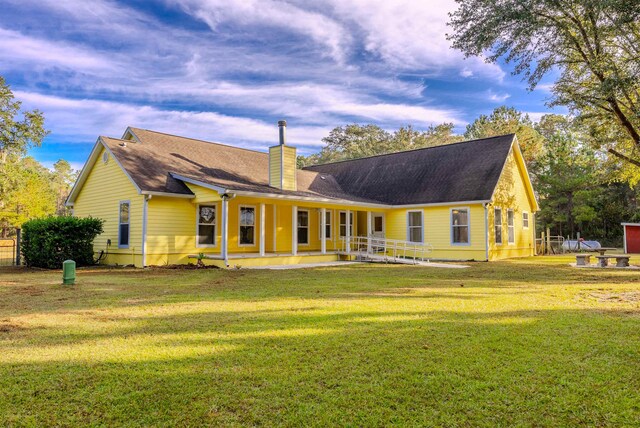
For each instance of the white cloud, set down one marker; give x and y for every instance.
(83, 120)
(279, 14)
(17, 48)
(498, 98)
(466, 72)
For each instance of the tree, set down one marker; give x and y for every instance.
(62, 178)
(17, 136)
(357, 141)
(507, 120)
(574, 187)
(594, 44)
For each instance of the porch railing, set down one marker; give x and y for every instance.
(383, 249)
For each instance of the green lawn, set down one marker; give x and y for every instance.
(517, 343)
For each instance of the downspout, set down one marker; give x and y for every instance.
(486, 230)
(145, 203)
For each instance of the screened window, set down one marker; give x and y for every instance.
(497, 225)
(343, 224)
(123, 225)
(510, 227)
(206, 225)
(303, 227)
(247, 225)
(327, 225)
(414, 223)
(525, 220)
(460, 226)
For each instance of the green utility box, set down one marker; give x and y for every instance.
(68, 272)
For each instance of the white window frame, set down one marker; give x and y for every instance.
(298, 211)
(328, 224)
(468, 225)
(373, 222)
(215, 226)
(409, 227)
(511, 228)
(349, 219)
(500, 225)
(120, 223)
(525, 223)
(255, 217)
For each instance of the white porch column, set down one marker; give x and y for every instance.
(369, 231)
(225, 230)
(294, 232)
(263, 233)
(348, 232)
(323, 230)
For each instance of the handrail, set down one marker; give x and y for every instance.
(387, 248)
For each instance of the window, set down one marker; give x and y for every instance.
(414, 226)
(303, 227)
(497, 224)
(378, 224)
(247, 225)
(343, 224)
(525, 220)
(206, 225)
(327, 214)
(511, 232)
(460, 226)
(123, 225)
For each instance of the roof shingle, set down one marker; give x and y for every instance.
(466, 171)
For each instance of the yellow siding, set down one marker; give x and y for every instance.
(275, 154)
(282, 167)
(511, 192)
(100, 197)
(437, 231)
(289, 163)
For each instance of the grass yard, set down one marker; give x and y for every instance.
(517, 343)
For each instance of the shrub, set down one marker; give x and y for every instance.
(47, 242)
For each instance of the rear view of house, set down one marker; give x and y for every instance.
(167, 199)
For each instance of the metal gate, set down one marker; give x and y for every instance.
(9, 247)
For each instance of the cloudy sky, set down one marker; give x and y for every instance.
(226, 70)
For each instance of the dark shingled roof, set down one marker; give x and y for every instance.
(151, 162)
(467, 171)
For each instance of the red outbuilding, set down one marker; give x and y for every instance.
(631, 238)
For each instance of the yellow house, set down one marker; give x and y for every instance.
(167, 199)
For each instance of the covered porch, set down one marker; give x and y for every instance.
(267, 232)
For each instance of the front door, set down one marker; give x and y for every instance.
(377, 225)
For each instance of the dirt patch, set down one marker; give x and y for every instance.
(615, 297)
(29, 290)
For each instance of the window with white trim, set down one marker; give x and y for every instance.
(327, 226)
(206, 225)
(303, 227)
(343, 224)
(414, 226)
(511, 230)
(460, 226)
(497, 225)
(247, 225)
(525, 220)
(123, 224)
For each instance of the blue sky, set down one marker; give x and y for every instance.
(227, 71)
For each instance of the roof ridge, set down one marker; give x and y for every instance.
(409, 151)
(199, 140)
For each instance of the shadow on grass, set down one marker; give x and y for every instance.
(370, 368)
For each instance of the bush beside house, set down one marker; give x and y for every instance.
(47, 242)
